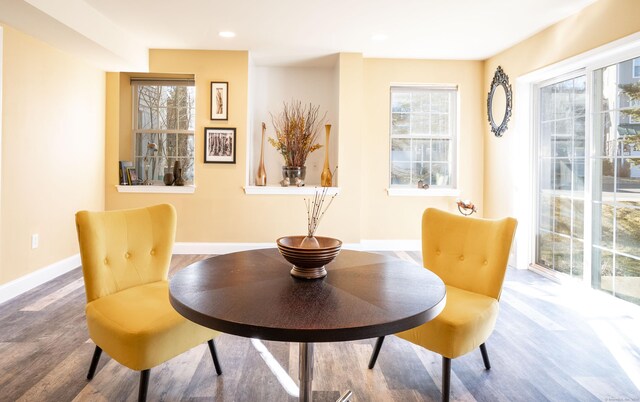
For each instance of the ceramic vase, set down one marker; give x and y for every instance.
(177, 175)
(261, 176)
(326, 179)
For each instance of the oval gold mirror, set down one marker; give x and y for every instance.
(499, 102)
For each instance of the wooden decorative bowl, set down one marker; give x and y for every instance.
(308, 263)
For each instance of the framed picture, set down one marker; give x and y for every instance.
(219, 145)
(219, 100)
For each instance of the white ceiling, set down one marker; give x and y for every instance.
(279, 32)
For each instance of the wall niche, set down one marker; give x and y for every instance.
(269, 88)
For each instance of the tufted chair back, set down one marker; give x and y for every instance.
(467, 253)
(126, 248)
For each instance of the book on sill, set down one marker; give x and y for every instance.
(124, 167)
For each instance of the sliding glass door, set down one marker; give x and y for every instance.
(609, 233)
(616, 180)
(561, 151)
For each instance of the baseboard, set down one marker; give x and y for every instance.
(25, 283)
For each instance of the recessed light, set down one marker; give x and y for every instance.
(227, 34)
(379, 37)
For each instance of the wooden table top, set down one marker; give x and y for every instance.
(252, 294)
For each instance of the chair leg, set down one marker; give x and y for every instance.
(485, 356)
(144, 384)
(214, 355)
(94, 362)
(376, 351)
(446, 378)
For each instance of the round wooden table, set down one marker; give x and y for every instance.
(251, 294)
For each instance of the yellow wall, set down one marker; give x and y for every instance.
(598, 24)
(399, 217)
(52, 152)
(220, 211)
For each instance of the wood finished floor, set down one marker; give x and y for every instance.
(551, 343)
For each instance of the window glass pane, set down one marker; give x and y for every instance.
(546, 175)
(400, 173)
(628, 231)
(419, 123)
(577, 264)
(440, 174)
(547, 205)
(578, 219)
(400, 102)
(562, 146)
(603, 225)
(579, 93)
(605, 171)
(627, 278)
(420, 102)
(546, 132)
(563, 94)
(545, 249)
(578, 175)
(440, 102)
(400, 150)
(628, 178)
(546, 104)
(579, 137)
(421, 150)
(562, 215)
(400, 123)
(440, 124)
(563, 174)
(562, 254)
(440, 151)
(421, 171)
(602, 263)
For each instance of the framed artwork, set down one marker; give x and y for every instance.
(219, 100)
(219, 145)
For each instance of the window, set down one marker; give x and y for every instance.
(163, 128)
(423, 136)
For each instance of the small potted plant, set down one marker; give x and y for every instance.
(296, 135)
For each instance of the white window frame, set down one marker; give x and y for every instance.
(453, 137)
(135, 83)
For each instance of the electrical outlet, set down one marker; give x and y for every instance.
(35, 240)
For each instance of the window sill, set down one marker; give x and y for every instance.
(279, 190)
(429, 192)
(190, 189)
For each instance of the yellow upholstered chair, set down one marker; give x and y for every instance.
(125, 262)
(470, 255)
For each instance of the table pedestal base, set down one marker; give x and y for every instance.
(305, 371)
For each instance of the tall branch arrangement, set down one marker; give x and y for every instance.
(315, 211)
(296, 132)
